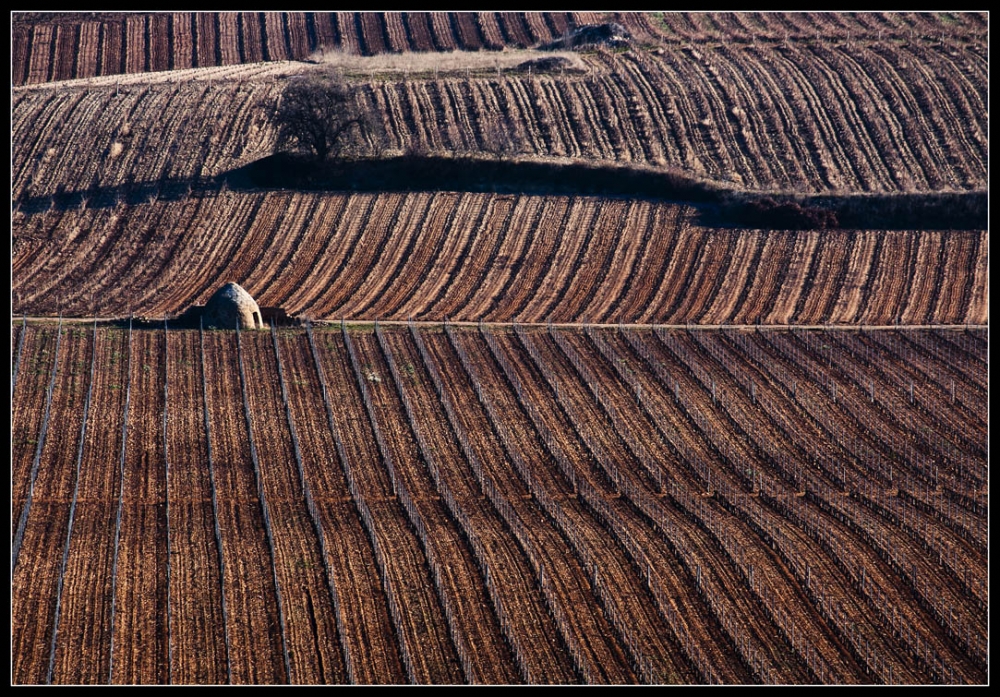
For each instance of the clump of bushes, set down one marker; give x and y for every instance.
(785, 215)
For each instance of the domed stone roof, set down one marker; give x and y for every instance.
(231, 307)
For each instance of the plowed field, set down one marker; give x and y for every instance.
(507, 504)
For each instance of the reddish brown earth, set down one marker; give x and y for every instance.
(598, 506)
(497, 258)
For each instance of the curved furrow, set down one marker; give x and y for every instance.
(527, 268)
(210, 256)
(615, 121)
(308, 215)
(640, 433)
(425, 646)
(954, 299)
(756, 303)
(634, 237)
(684, 117)
(766, 121)
(141, 256)
(539, 30)
(395, 29)
(950, 102)
(467, 31)
(529, 629)
(738, 115)
(542, 525)
(829, 145)
(682, 262)
(566, 260)
(933, 414)
(777, 392)
(884, 286)
(640, 129)
(649, 278)
(30, 116)
(978, 307)
(877, 533)
(610, 227)
(833, 561)
(418, 28)
(708, 276)
(496, 477)
(897, 440)
(444, 37)
(559, 111)
(629, 298)
(429, 95)
(928, 279)
(501, 269)
(637, 75)
(185, 231)
(32, 254)
(525, 116)
(336, 249)
(839, 267)
(744, 259)
(596, 237)
(851, 295)
(621, 456)
(412, 296)
(489, 29)
(732, 478)
(364, 255)
(919, 123)
(424, 129)
(642, 111)
(850, 117)
(50, 150)
(907, 169)
(474, 625)
(953, 369)
(477, 259)
(453, 101)
(409, 231)
(515, 28)
(426, 249)
(730, 150)
(813, 266)
(782, 593)
(544, 130)
(461, 233)
(364, 622)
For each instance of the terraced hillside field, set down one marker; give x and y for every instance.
(67, 45)
(499, 504)
(806, 116)
(471, 256)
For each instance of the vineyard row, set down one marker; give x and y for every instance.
(469, 256)
(596, 505)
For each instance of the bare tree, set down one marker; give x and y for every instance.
(323, 114)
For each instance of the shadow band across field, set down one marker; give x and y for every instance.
(720, 205)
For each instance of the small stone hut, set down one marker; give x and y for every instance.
(232, 307)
